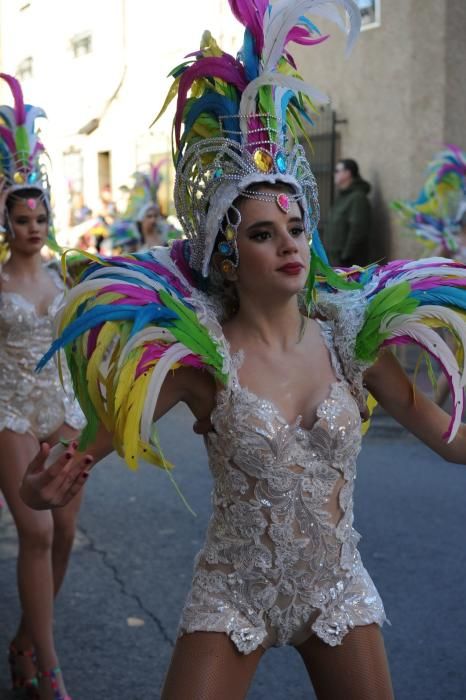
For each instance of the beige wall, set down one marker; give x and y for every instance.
(402, 92)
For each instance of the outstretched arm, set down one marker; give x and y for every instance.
(52, 480)
(392, 388)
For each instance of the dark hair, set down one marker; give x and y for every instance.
(26, 193)
(350, 165)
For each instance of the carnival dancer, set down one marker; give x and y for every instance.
(33, 407)
(144, 207)
(438, 217)
(275, 378)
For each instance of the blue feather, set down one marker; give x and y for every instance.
(96, 316)
(309, 25)
(210, 103)
(442, 296)
(318, 248)
(249, 56)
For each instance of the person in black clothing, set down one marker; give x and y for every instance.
(347, 236)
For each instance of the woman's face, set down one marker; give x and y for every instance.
(29, 223)
(148, 224)
(273, 249)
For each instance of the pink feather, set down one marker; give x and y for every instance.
(17, 93)
(251, 15)
(224, 67)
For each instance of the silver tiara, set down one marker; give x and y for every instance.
(214, 172)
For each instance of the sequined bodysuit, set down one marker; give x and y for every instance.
(280, 561)
(30, 401)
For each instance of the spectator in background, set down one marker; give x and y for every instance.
(347, 236)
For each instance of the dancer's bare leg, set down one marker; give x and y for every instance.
(35, 535)
(65, 521)
(355, 670)
(207, 666)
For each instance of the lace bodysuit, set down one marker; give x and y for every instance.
(30, 401)
(280, 561)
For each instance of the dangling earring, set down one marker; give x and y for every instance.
(228, 269)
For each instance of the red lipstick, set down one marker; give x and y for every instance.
(291, 268)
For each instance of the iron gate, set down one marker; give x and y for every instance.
(322, 155)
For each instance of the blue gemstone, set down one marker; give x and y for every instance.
(280, 160)
(218, 172)
(32, 177)
(224, 248)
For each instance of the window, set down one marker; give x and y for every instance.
(81, 44)
(370, 13)
(24, 70)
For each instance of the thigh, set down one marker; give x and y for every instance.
(207, 666)
(357, 669)
(65, 518)
(16, 451)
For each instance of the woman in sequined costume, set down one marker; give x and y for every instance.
(276, 386)
(33, 408)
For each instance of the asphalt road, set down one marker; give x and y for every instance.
(116, 617)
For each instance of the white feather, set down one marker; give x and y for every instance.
(449, 317)
(431, 341)
(146, 335)
(285, 14)
(248, 104)
(163, 366)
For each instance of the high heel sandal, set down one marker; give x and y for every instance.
(18, 680)
(53, 675)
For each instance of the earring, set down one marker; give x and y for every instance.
(227, 268)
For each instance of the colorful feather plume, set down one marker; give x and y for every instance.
(435, 216)
(262, 84)
(408, 302)
(143, 194)
(125, 326)
(21, 149)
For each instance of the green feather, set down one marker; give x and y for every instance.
(189, 331)
(22, 144)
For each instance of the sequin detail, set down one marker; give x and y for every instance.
(280, 561)
(30, 401)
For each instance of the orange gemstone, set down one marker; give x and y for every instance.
(263, 160)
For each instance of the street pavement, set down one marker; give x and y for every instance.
(116, 617)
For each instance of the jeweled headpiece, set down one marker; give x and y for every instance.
(143, 195)
(22, 153)
(240, 123)
(436, 215)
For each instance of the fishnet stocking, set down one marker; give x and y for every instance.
(207, 666)
(355, 670)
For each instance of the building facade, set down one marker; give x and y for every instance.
(100, 70)
(399, 97)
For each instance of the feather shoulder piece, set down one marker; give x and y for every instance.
(127, 324)
(399, 303)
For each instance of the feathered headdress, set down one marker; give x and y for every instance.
(143, 195)
(238, 120)
(435, 217)
(21, 150)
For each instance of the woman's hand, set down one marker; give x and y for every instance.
(55, 476)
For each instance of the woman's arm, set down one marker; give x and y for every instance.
(391, 387)
(51, 486)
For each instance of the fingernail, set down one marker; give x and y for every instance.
(68, 455)
(74, 444)
(84, 475)
(88, 460)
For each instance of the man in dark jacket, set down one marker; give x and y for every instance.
(347, 236)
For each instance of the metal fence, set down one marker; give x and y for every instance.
(322, 154)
